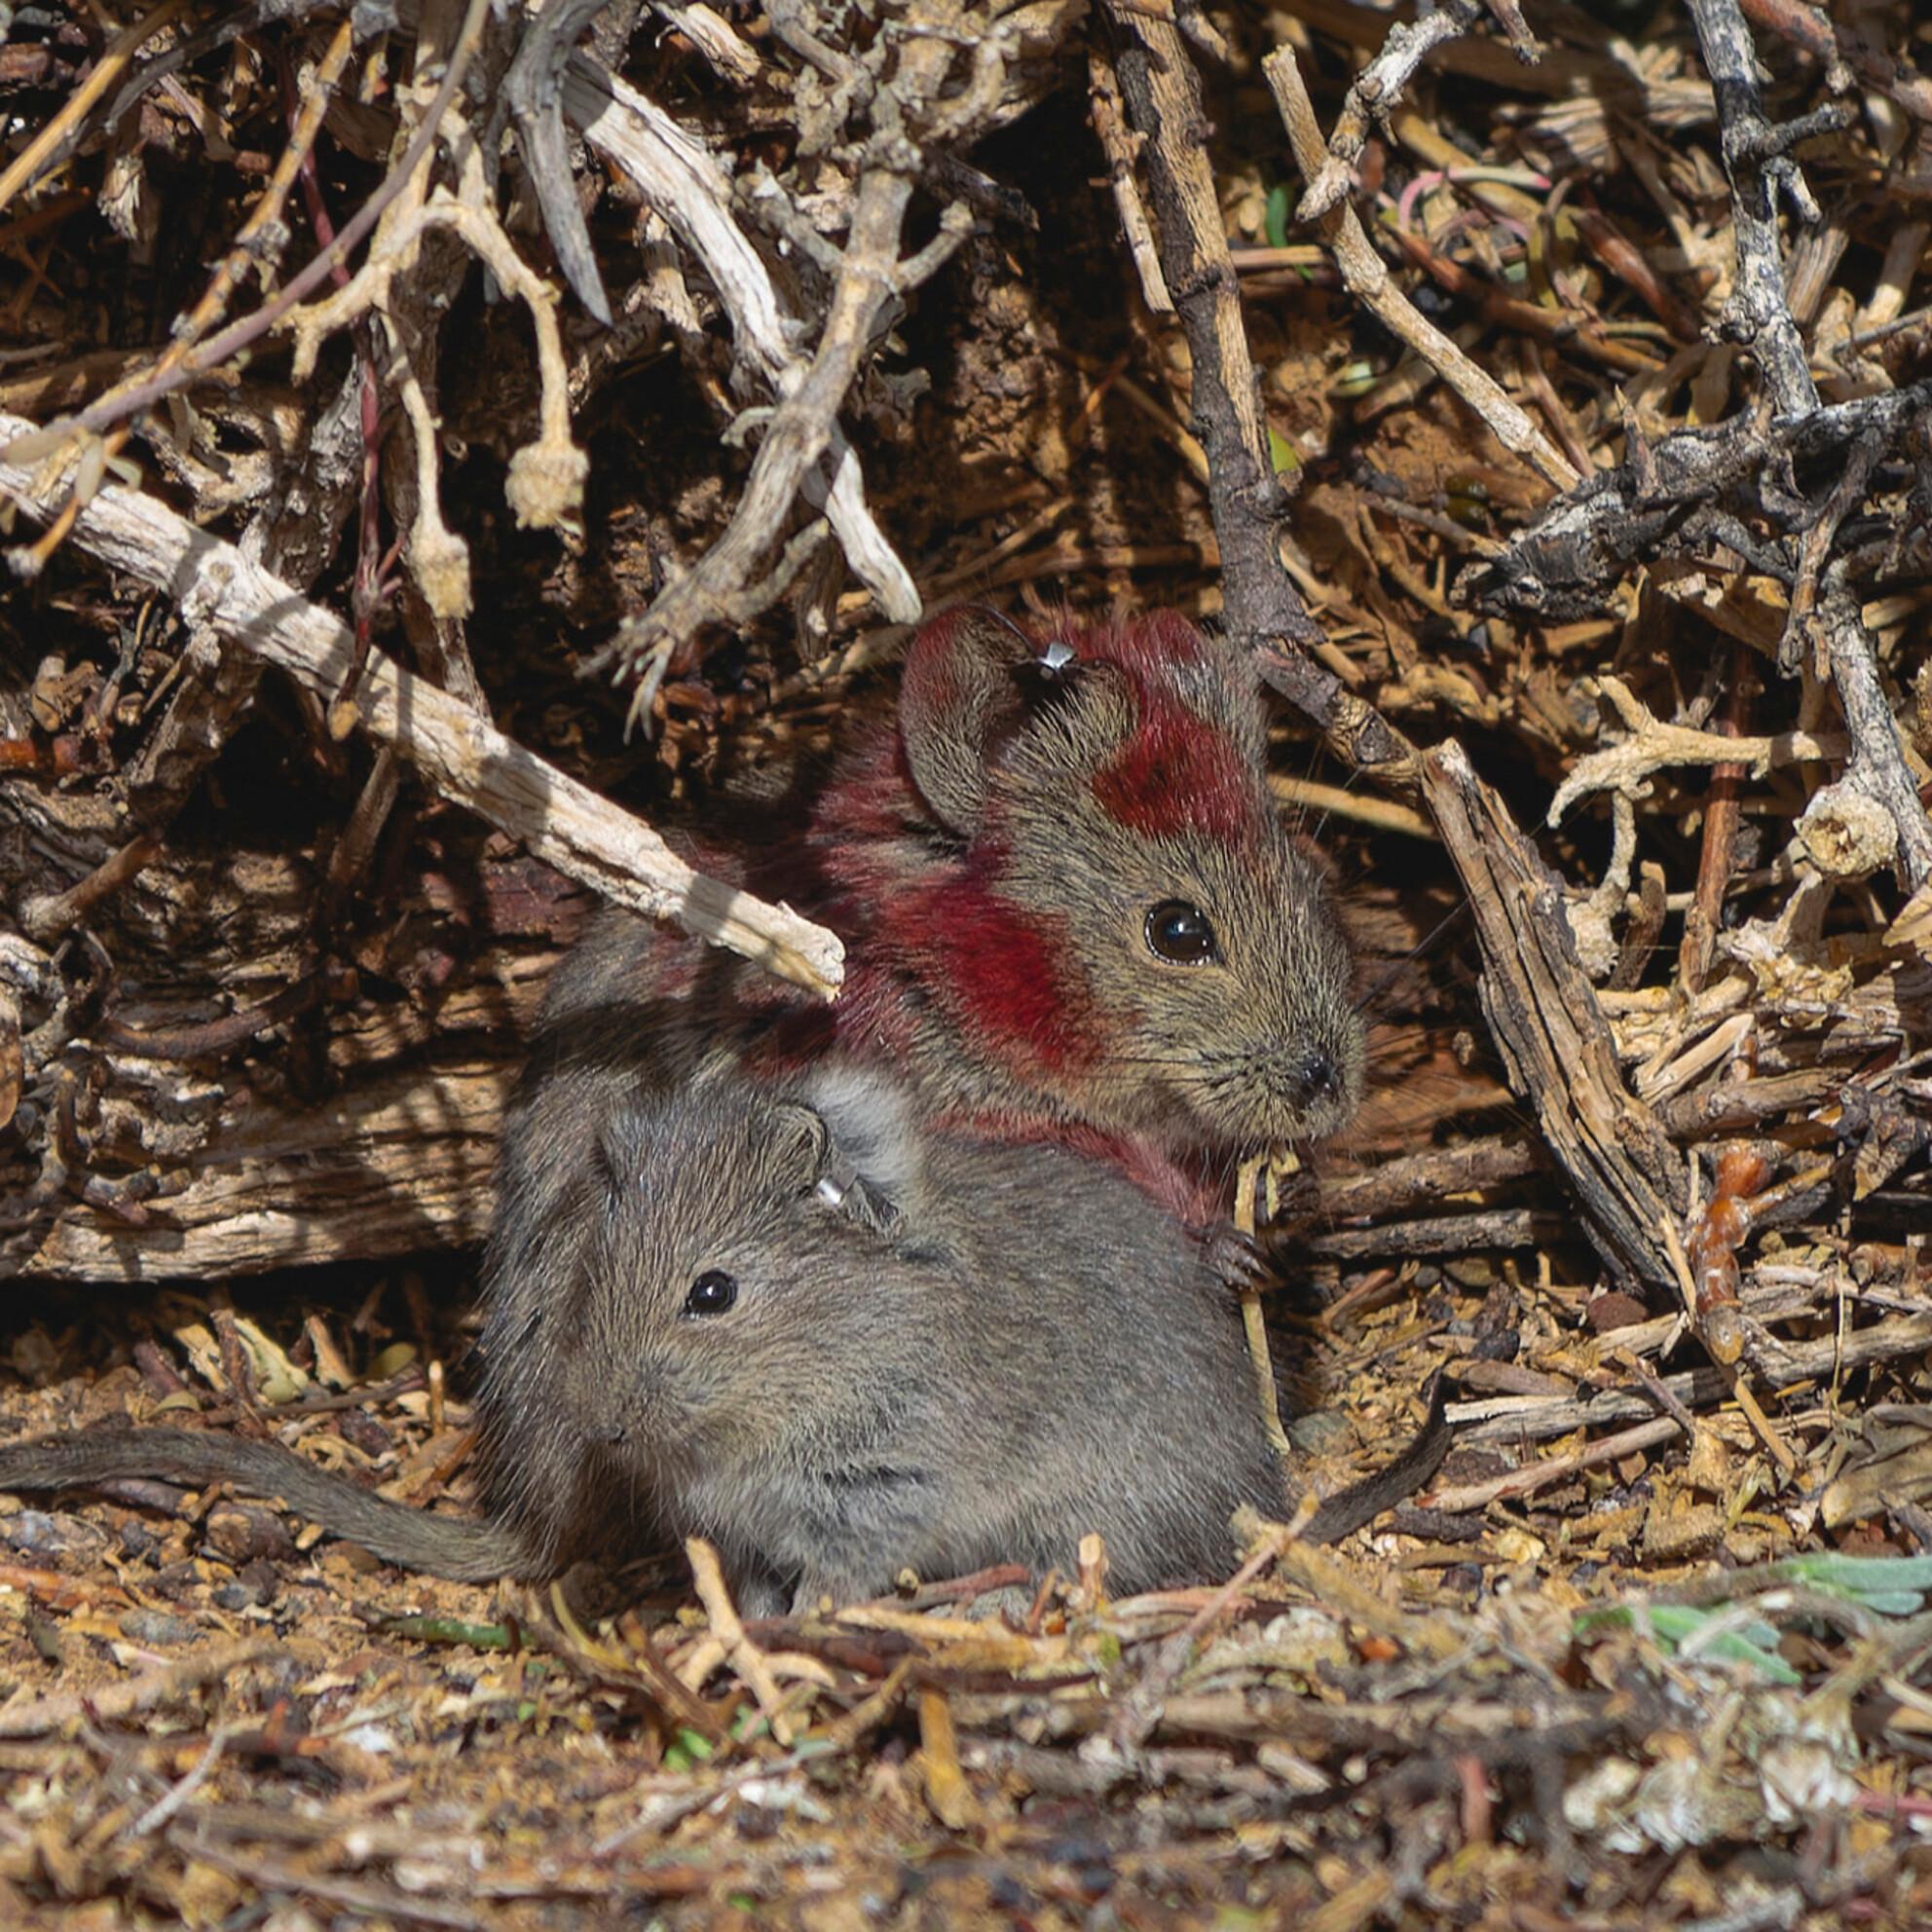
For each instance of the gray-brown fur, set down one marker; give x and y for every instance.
(976, 1357)
(1020, 1350)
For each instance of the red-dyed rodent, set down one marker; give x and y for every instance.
(1072, 909)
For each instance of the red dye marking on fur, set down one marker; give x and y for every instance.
(1007, 973)
(1146, 646)
(934, 940)
(799, 1039)
(1177, 1187)
(1178, 772)
(868, 799)
(930, 680)
(1187, 1185)
(879, 1020)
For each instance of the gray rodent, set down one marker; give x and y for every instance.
(832, 1343)
(1072, 909)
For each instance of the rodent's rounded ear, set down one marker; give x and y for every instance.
(798, 1142)
(959, 697)
(864, 1203)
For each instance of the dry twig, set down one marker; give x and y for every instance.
(1655, 746)
(1374, 91)
(686, 184)
(724, 586)
(1369, 279)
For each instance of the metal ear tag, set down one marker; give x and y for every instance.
(1056, 657)
(830, 1192)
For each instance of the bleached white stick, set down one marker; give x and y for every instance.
(554, 816)
(688, 187)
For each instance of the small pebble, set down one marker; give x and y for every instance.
(157, 1627)
(34, 1532)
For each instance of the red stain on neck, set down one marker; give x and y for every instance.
(1184, 1188)
(1006, 973)
(1177, 772)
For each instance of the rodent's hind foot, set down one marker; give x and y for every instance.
(759, 1597)
(591, 1592)
(818, 1589)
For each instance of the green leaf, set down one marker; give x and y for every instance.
(448, 1630)
(1674, 1624)
(1275, 223)
(1678, 1623)
(1878, 1582)
(686, 1750)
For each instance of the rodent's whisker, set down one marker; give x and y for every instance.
(1421, 945)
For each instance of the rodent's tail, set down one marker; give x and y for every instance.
(467, 1551)
(1362, 1502)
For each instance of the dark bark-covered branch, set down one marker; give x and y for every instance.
(1250, 507)
(1554, 1039)
(1567, 563)
(1878, 768)
(534, 92)
(1757, 160)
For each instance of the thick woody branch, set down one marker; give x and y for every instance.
(1546, 1017)
(1757, 158)
(462, 758)
(1877, 768)
(1568, 562)
(1250, 507)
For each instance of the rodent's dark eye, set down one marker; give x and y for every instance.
(711, 1293)
(1181, 934)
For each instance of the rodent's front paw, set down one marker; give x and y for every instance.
(1237, 1260)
